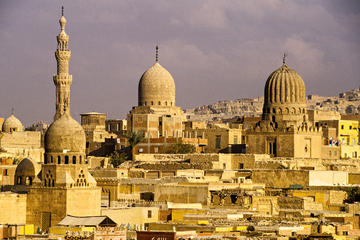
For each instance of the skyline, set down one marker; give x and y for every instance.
(211, 48)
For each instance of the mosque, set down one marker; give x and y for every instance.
(285, 130)
(63, 186)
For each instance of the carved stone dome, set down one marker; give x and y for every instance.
(284, 92)
(12, 124)
(25, 168)
(65, 135)
(156, 87)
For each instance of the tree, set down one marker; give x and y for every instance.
(134, 139)
(353, 194)
(117, 158)
(180, 148)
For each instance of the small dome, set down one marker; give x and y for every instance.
(65, 135)
(25, 169)
(62, 22)
(12, 124)
(156, 87)
(284, 87)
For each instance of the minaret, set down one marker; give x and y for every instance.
(62, 80)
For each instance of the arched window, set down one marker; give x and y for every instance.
(66, 159)
(46, 161)
(59, 160)
(159, 103)
(53, 182)
(51, 159)
(165, 103)
(45, 183)
(152, 103)
(74, 159)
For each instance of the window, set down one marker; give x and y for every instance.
(149, 213)
(218, 141)
(6, 172)
(66, 159)
(159, 103)
(74, 159)
(241, 166)
(59, 160)
(87, 144)
(350, 127)
(342, 126)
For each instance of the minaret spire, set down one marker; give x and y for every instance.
(62, 80)
(284, 57)
(157, 53)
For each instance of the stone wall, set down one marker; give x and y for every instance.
(182, 193)
(12, 208)
(280, 178)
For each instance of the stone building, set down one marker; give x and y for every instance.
(156, 114)
(18, 143)
(94, 125)
(284, 130)
(64, 186)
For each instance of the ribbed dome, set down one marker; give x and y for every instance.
(25, 169)
(156, 87)
(12, 124)
(65, 135)
(284, 86)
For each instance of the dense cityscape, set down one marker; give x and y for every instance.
(285, 165)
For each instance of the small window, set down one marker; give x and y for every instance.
(350, 127)
(59, 160)
(159, 103)
(74, 160)
(87, 144)
(342, 126)
(6, 172)
(152, 103)
(149, 213)
(218, 141)
(241, 166)
(66, 159)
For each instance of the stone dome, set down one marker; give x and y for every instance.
(284, 92)
(25, 168)
(12, 124)
(156, 87)
(65, 135)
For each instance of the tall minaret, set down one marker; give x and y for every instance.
(62, 80)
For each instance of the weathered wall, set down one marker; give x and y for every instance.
(135, 215)
(281, 178)
(182, 193)
(12, 208)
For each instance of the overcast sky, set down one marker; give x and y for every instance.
(215, 50)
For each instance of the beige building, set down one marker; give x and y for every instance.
(285, 130)
(64, 186)
(156, 114)
(93, 124)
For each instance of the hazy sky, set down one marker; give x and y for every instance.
(215, 50)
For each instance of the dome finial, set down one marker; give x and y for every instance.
(62, 10)
(12, 111)
(284, 57)
(157, 53)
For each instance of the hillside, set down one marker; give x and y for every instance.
(345, 103)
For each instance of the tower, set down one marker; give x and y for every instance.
(64, 186)
(62, 79)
